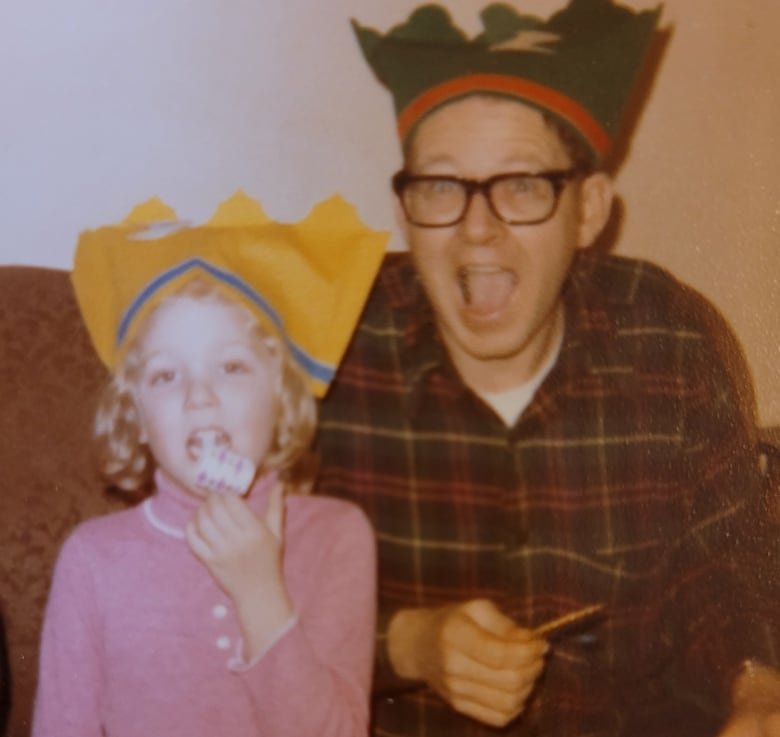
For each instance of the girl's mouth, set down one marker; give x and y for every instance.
(202, 441)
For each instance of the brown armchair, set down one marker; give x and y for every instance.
(49, 381)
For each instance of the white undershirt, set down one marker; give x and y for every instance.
(509, 404)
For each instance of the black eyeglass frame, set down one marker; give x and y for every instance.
(556, 177)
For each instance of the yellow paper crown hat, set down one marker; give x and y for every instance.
(306, 282)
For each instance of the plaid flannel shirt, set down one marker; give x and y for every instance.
(630, 480)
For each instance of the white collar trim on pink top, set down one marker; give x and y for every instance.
(157, 523)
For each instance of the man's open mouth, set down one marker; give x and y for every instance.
(486, 289)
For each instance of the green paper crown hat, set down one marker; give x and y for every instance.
(580, 64)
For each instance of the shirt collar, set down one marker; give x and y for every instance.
(170, 508)
(591, 324)
(598, 294)
(422, 356)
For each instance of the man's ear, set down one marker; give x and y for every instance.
(400, 219)
(596, 195)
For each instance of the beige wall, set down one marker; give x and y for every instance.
(109, 103)
(702, 181)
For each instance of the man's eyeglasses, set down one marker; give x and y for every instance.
(516, 198)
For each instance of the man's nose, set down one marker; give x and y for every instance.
(479, 224)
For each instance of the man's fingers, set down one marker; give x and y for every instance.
(514, 648)
(485, 675)
(488, 616)
(471, 654)
(506, 654)
(460, 671)
(496, 711)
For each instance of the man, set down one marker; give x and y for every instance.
(535, 428)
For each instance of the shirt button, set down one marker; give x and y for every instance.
(219, 611)
(223, 643)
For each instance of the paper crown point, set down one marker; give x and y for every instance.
(579, 65)
(152, 210)
(239, 209)
(333, 214)
(305, 282)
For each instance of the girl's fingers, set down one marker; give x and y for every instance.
(224, 523)
(196, 542)
(226, 515)
(207, 528)
(274, 514)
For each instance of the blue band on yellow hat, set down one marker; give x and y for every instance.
(316, 369)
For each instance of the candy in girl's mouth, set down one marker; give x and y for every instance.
(203, 441)
(220, 469)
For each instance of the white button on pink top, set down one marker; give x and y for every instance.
(219, 611)
(223, 642)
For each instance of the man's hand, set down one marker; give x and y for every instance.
(476, 658)
(243, 553)
(755, 703)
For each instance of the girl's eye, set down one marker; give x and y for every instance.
(162, 377)
(235, 367)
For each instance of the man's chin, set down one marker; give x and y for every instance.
(488, 343)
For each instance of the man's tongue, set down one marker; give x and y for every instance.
(486, 290)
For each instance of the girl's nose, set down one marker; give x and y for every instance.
(199, 393)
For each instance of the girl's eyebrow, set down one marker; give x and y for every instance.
(145, 358)
(248, 346)
(156, 356)
(240, 342)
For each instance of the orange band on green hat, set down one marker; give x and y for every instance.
(547, 98)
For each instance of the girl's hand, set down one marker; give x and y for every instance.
(243, 553)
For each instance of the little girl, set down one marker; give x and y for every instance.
(219, 606)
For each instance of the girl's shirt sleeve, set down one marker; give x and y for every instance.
(67, 702)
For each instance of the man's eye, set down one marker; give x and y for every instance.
(443, 186)
(520, 185)
(435, 188)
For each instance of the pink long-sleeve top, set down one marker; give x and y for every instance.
(139, 640)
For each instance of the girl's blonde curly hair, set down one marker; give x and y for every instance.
(127, 463)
